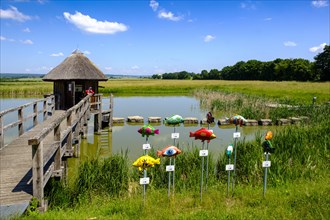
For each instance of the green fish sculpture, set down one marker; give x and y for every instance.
(174, 120)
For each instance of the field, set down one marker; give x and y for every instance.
(301, 92)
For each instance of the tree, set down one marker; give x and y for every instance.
(322, 64)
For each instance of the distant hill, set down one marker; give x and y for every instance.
(20, 75)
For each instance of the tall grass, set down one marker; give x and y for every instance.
(226, 104)
(97, 176)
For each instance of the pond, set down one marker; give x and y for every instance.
(125, 136)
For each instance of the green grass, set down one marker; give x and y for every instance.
(301, 92)
(298, 200)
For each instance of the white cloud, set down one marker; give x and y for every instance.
(154, 5)
(290, 44)
(317, 48)
(108, 68)
(320, 3)
(26, 30)
(135, 67)
(91, 25)
(208, 38)
(57, 54)
(169, 16)
(248, 5)
(268, 19)
(2, 38)
(13, 14)
(26, 42)
(87, 52)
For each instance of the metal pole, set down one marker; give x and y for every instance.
(235, 149)
(265, 176)
(202, 173)
(207, 162)
(169, 180)
(174, 163)
(228, 178)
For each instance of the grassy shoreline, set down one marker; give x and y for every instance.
(302, 92)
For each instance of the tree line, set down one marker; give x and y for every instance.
(276, 70)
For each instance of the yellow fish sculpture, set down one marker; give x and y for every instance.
(145, 162)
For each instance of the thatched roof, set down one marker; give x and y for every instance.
(75, 67)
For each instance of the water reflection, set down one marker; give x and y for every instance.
(125, 136)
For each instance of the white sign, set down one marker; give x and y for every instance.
(266, 163)
(169, 168)
(229, 167)
(175, 135)
(237, 134)
(203, 153)
(146, 147)
(144, 181)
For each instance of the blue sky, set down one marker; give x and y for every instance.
(144, 37)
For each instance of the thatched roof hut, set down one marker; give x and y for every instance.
(74, 67)
(72, 77)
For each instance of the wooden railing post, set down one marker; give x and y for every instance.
(44, 108)
(58, 154)
(2, 136)
(20, 119)
(111, 112)
(38, 172)
(35, 112)
(69, 138)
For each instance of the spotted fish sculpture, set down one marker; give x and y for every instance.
(173, 120)
(145, 162)
(148, 130)
(267, 144)
(237, 120)
(169, 151)
(203, 134)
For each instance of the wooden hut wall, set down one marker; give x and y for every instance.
(59, 94)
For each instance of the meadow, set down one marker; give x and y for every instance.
(294, 92)
(298, 179)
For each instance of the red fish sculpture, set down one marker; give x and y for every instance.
(203, 134)
(169, 151)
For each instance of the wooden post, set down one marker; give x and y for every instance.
(35, 116)
(20, 119)
(58, 158)
(111, 112)
(2, 136)
(77, 131)
(69, 138)
(53, 104)
(44, 108)
(37, 173)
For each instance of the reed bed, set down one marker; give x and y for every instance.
(226, 104)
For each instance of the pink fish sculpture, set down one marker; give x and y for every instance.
(203, 134)
(148, 130)
(169, 151)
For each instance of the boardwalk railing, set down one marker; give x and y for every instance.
(61, 132)
(48, 107)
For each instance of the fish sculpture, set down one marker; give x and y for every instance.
(267, 145)
(169, 151)
(203, 134)
(147, 130)
(237, 120)
(173, 120)
(209, 118)
(145, 162)
(229, 150)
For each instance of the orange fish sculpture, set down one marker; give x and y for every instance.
(169, 151)
(203, 134)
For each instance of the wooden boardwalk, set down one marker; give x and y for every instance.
(16, 167)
